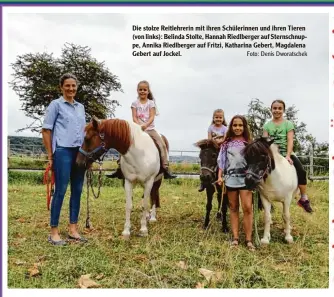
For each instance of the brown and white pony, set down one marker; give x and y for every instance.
(140, 162)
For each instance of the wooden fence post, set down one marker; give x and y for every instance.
(311, 160)
(8, 151)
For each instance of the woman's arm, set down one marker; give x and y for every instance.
(47, 140)
(289, 143)
(265, 133)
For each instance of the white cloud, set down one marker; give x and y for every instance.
(190, 87)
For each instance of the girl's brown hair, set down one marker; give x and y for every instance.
(246, 134)
(278, 101)
(213, 116)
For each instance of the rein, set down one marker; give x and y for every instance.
(49, 184)
(255, 197)
(94, 156)
(89, 176)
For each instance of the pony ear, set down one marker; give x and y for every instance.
(95, 122)
(270, 141)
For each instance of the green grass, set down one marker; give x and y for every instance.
(151, 262)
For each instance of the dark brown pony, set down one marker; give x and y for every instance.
(209, 173)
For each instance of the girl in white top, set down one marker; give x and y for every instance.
(143, 113)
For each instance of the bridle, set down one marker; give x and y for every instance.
(265, 172)
(214, 170)
(95, 155)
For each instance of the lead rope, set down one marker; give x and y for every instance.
(49, 182)
(255, 195)
(89, 176)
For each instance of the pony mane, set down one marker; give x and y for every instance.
(207, 143)
(258, 147)
(117, 134)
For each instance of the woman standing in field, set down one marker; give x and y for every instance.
(63, 134)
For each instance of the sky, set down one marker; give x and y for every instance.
(189, 88)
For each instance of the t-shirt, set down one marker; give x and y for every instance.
(233, 163)
(143, 112)
(279, 133)
(217, 131)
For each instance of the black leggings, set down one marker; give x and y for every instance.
(301, 173)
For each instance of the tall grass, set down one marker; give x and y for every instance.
(154, 261)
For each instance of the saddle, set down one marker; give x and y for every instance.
(157, 146)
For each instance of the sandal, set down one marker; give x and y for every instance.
(56, 242)
(77, 239)
(234, 242)
(250, 246)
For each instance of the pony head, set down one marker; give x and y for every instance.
(260, 161)
(209, 150)
(93, 146)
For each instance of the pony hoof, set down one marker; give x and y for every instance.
(143, 233)
(126, 236)
(289, 239)
(264, 241)
(152, 219)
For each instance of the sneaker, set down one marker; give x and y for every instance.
(305, 204)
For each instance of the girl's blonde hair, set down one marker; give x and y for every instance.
(150, 94)
(213, 116)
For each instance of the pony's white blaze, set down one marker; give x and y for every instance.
(281, 185)
(140, 164)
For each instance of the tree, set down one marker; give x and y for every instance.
(36, 82)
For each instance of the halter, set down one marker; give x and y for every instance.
(92, 155)
(207, 168)
(265, 172)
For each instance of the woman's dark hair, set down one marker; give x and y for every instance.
(278, 101)
(67, 76)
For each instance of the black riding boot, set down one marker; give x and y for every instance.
(167, 174)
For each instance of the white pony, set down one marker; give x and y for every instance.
(275, 178)
(140, 161)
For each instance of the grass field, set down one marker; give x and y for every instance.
(175, 250)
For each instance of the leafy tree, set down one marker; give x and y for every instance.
(36, 82)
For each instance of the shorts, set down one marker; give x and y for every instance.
(229, 189)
